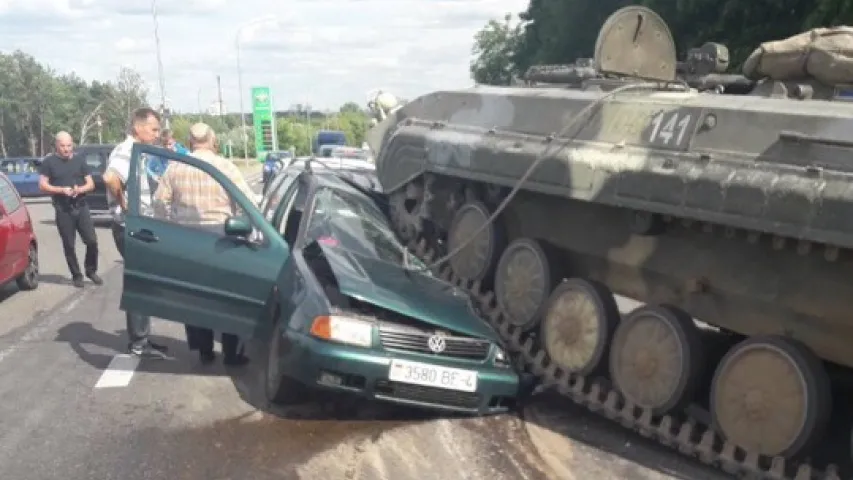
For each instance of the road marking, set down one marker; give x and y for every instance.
(119, 372)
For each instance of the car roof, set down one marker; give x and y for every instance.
(95, 146)
(333, 163)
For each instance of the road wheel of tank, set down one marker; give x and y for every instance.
(579, 320)
(477, 259)
(29, 280)
(656, 358)
(771, 395)
(409, 207)
(523, 281)
(280, 389)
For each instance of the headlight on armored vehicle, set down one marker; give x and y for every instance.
(343, 330)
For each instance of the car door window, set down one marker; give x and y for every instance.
(95, 161)
(289, 217)
(8, 196)
(187, 196)
(274, 198)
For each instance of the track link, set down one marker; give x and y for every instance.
(686, 435)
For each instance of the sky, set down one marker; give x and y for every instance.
(317, 52)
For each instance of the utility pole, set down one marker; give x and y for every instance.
(242, 111)
(162, 77)
(219, 88)
(308, 130)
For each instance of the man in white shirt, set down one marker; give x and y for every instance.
(144, 128)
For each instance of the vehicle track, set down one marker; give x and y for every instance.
(687, 435)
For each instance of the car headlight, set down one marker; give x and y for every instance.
(501, 358)
(343, 330)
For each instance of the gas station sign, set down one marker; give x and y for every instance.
(263, 118)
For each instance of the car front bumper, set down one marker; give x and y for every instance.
(337, 367)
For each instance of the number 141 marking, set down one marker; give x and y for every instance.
(669, 128)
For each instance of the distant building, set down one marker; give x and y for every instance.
(217, 108)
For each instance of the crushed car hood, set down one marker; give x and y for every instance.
(407, 292)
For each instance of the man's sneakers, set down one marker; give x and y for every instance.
(94, 277)
(148, 349)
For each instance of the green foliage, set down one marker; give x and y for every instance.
(36, 103)
(494, 49)
(559, 31)
(292, 131)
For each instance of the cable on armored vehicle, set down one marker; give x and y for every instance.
(539, 158)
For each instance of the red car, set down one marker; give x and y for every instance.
(18, 245)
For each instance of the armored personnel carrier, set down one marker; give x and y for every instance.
(660, 241)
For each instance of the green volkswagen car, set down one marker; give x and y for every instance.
(318, 276)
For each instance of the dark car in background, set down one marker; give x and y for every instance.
(96, 156)
(23, 172)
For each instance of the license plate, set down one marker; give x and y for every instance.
(433, 376)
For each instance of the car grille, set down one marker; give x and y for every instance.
(430, 395)
(410, 340)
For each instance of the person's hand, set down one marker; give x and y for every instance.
(77, 190)
(68, 191)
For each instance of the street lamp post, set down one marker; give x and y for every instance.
(160, 74)
(242, 110)
(198, 104)
(264, 19)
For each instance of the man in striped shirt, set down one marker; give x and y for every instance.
(144, 128)
(192, 198)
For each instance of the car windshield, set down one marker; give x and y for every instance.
(352, 222)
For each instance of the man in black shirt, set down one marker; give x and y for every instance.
(67, 179)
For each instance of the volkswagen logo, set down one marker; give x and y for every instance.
(436, 343)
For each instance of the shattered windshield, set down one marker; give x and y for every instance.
(352, 222)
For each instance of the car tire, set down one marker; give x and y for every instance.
(29, 280)
(280, 389)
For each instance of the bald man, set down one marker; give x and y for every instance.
(67, 179)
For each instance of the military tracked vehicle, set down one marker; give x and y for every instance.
(661, 241)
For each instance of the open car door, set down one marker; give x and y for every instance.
(181, 267)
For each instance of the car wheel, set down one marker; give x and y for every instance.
(29, 280)
(280, 389)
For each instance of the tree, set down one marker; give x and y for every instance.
(560, 31)
(493, 50)
(130, 92)
(351, 107)
(36, 103)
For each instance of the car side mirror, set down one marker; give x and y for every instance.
(238, 227)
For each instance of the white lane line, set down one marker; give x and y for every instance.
(119, 372)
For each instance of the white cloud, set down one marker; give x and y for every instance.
(325, 52)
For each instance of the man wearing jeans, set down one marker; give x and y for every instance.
(144, 128)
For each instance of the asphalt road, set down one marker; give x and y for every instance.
(72, 406)
(18, 308)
